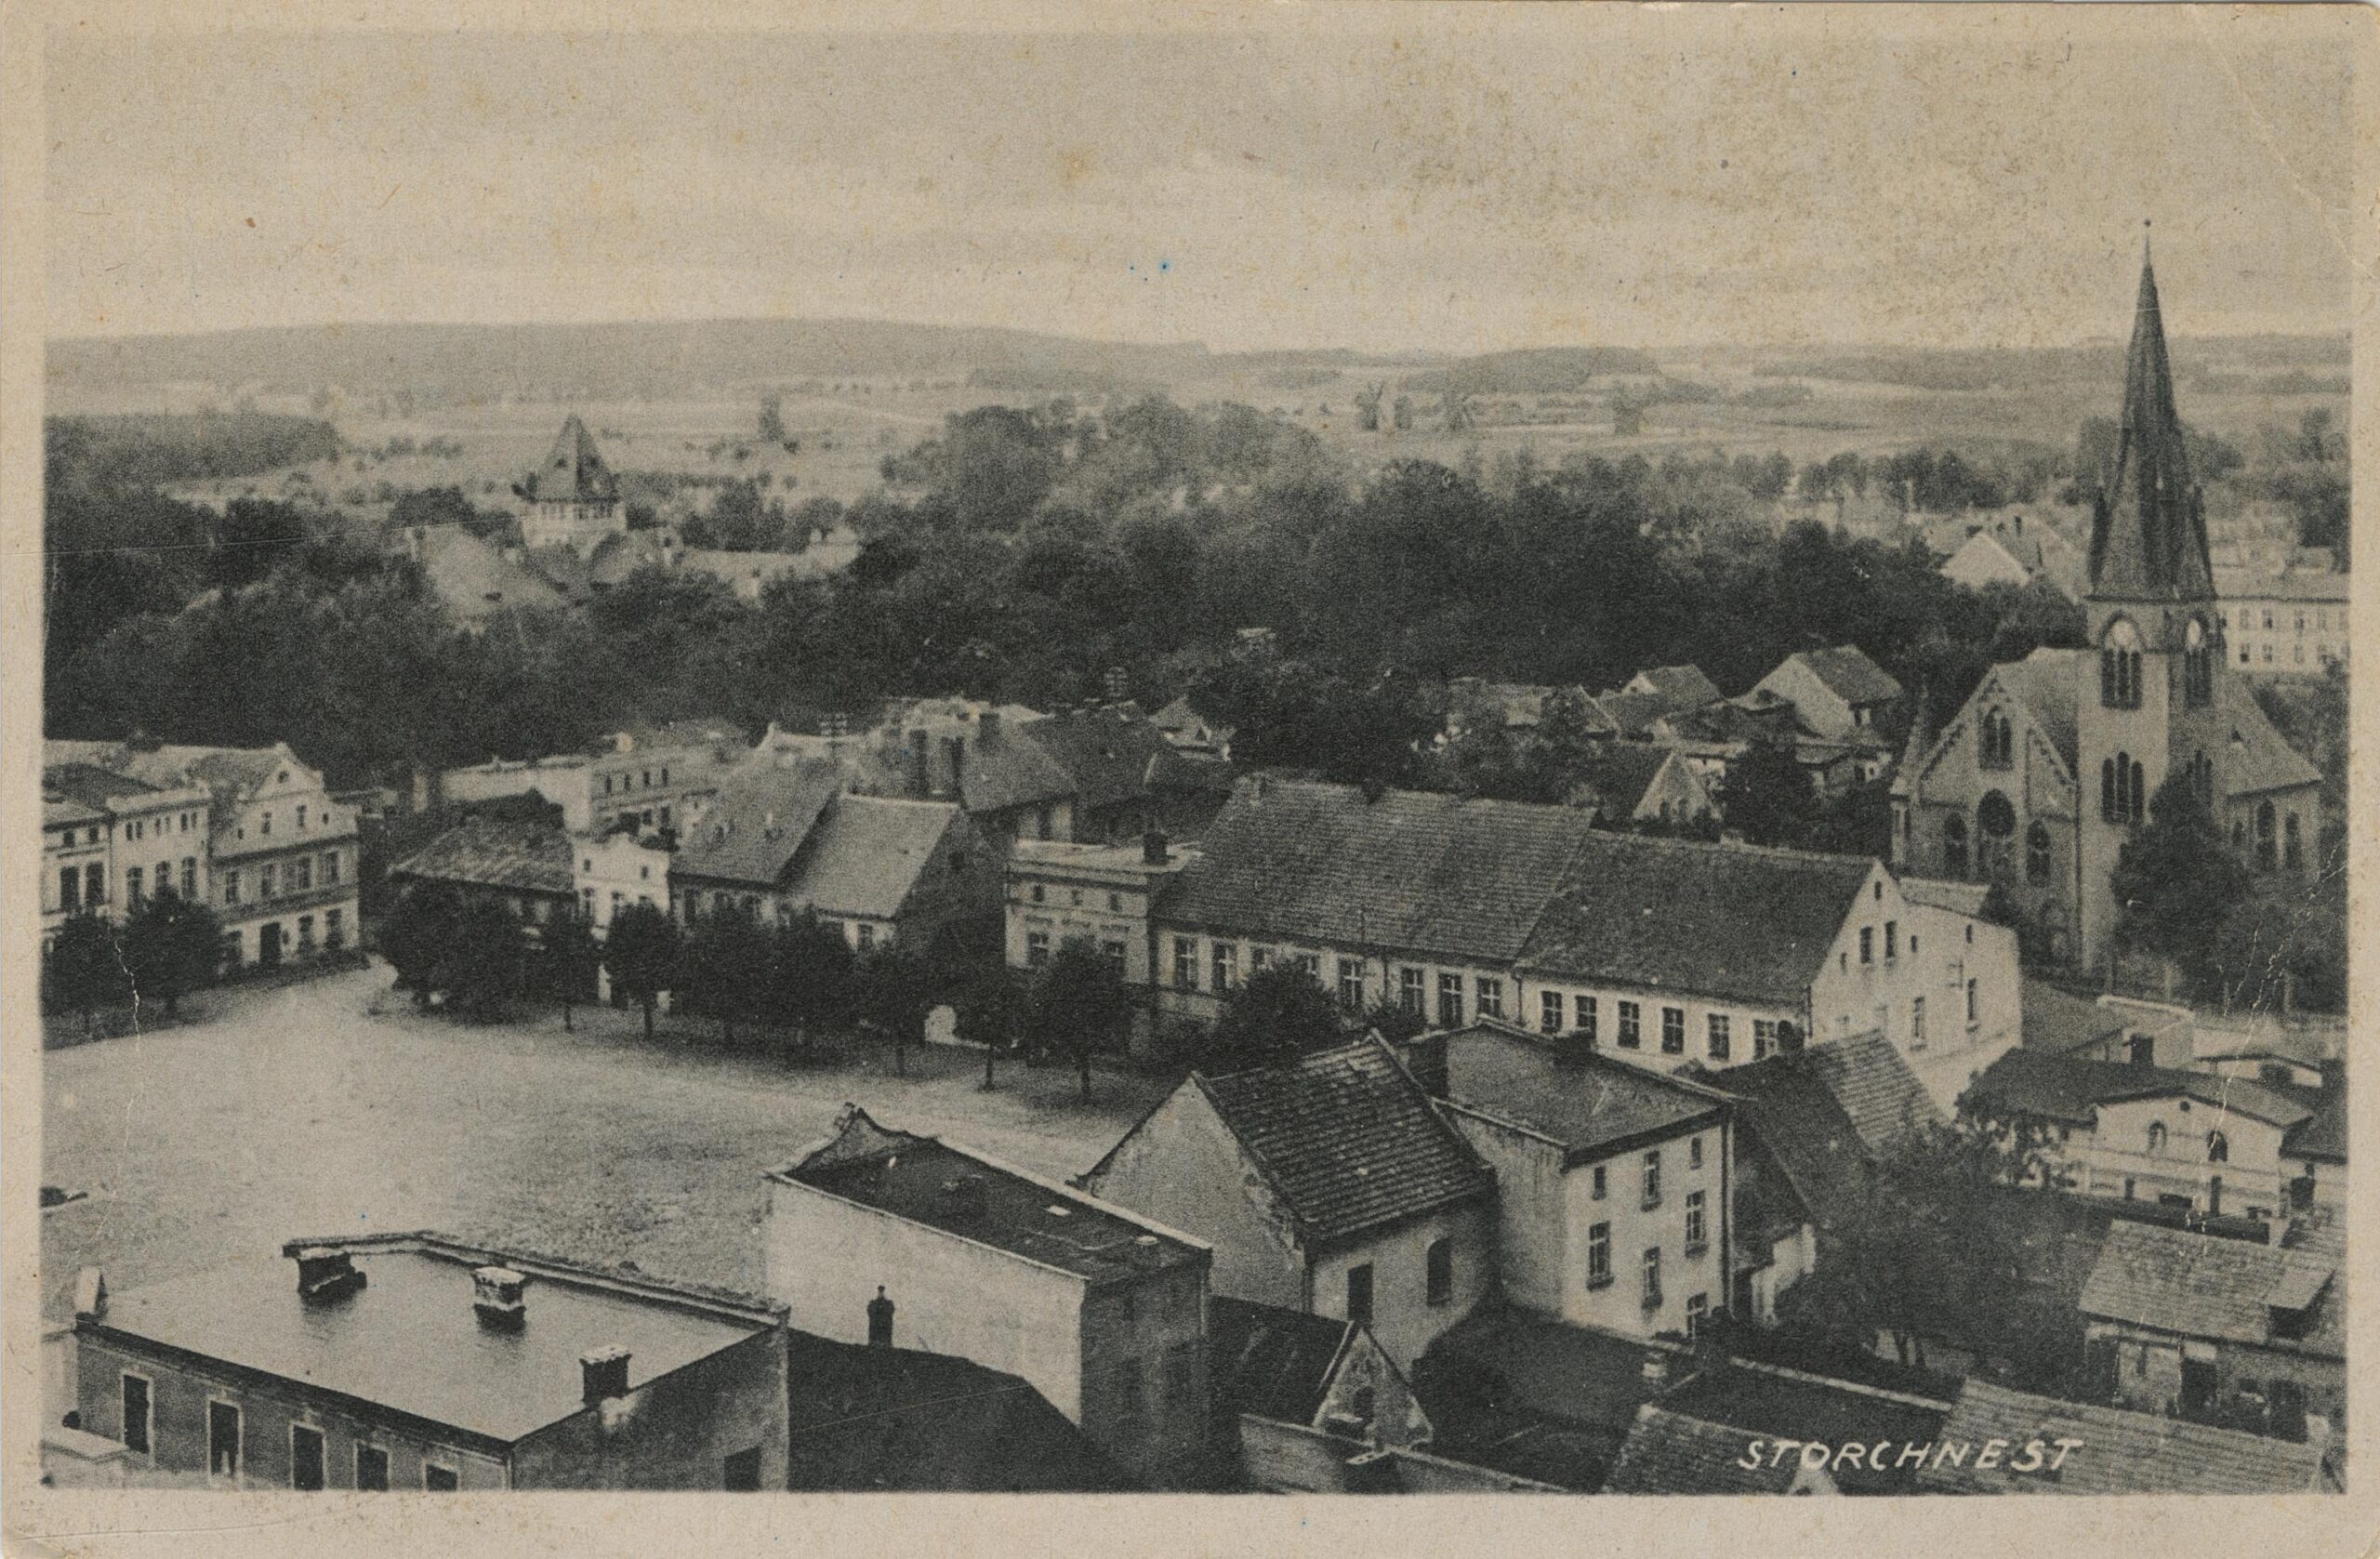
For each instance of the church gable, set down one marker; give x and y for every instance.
(1999, 739)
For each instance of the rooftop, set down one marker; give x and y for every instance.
(1680, 687)
(866, 854)
(1107, 751)
(1960, 898)
(1667, 1452)
(2121, 1452)
(1347, 1139)
(1795, 1405)
(761, 815)
(409, 1341)
(959, 1191)
(1848, 674)
(2198, 1286)
(1593, 1106)
(2255, 583)
(573, 470)
(530, 857)
(1803, 1128)
(2061, 1088)
(1269, 1361)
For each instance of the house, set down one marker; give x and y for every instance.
(1999, 1441)
(951, 749)
(573, 499)
(415, 1361)
(1099, 1309)
(2014, 550)
(1839, 694)
(1612, 1185)
(75, 840)
(1535, 1397)
(2005, 793)
(616, 871)
(1632, 783)
(1299, 1395)
(1786, 1411)
(1101, 892)
(281, 892)
(2191, 1140)
(1667, 1452)
(109, 839)
(874, 1419)
(1192, 732)
(476, 578)
(2291, 621)
(641, 777)
(1678, 687)
(1329, 1184)
(2219, 1330)
(781, 839)
(1109, 752)
(523, 868)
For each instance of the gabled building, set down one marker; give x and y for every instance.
(2287, 622)
(572, 498)
(1678, 687)
(1632, 783)
(1667, 1452)
(2014, 549)
(111, 839)
(1838, 694)
(1787, 1410)
(1192, 732)
(1999, 1441)
(2049, 767)
(642, 778)
(1298, 1397)
(1328, 1185)
(522, 869)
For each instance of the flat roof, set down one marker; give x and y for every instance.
(410, 1342)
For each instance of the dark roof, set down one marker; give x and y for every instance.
(1591, 1106)
(409, 1341)
(1873, 1081)
(1795, 1405)
(1347, 1139)
(92, 786)
(573, 470)
(2260, 757)
(958, 1191)
(865, 854)
(1680, 687)
(1633, 714)
(2067, 1089)
(2199, 1286)
(2121, 1452)
(1106, 751)
(477, 580)
(1677, 915)
(224, 771)
(2057, 1022)
(1848, 674)
(1620, 772)
(1667, 1452)
(1178, 770)
(1804, 1129)
(1412, 871)
(486, 853)
(2147, 529)
(870, 1420)
(2323, 1134)
(1528, 1394)
(763, 812)
(2043, 682)
(1269, 1361)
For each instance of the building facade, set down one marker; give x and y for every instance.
(1101, 892)
(2285, 623)
(109, 839)
(573, 499)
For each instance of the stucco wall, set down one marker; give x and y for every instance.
(1403, 1317)
(674, 1431)
(1182, 1168)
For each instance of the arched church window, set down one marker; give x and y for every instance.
(2119, 666)
(1999, 740)
(2198, 665)
(2264, 822)
(1955, 847)
(2293, 847)
(1995, 822)
(2037, 855)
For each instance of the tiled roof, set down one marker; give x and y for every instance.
(1453, 878)
(1633, 714)
(1677, 915)
(224, 771)
(1001, 767)
(2234, 584)
(1960, 898)
(762, 815)
(530, 857)
(573, 470)
(1347, 1139)
(2260, 759)
(2057, 1022)
(91, 786)
(2323, 1133)
(1541, 1398)
(1850, 675)
(1803, 1128)
(1869, 1076)
(1106, 751)
(865, 854)
(2121, 1452)
(1669, 1453)
(1620, 772)
(2196, 1286)
(2062, 1088)
(1680, 687)
(2148, 530)
(1270, 1361)
(476, 580)
(57, 811)
(1793, 1405)
(1591, 1104)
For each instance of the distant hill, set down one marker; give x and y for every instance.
(1539, 371)
(2003, 368)
(644, 361)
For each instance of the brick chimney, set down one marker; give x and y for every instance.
(326, 1274)
(603, 1373)
(495, 1295)
(954, 754)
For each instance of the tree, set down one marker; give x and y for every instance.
(1368, 406)
(992, 1011)
(482, 965)
(643, 953)
(1079, 1003)
(571, 958)
(415, 936)
(896, 991)
(2176, 880)
(171, 947)
(809, 975)
(771, 423)
(1767, 798)
(1279, 1013)
(82, 972)
(727, 958)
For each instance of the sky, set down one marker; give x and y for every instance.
(1387, 181)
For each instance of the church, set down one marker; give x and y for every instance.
(2049, 766)
(572, 500)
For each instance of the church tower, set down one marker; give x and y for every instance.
(573, 499)
(2147, 704)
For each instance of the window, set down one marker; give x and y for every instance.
(371, 1468)
(1866, 945)
(1227, 966)
(2037, 855)
(132, 885)
(1115, 904)
(1114, 953)
(2123, 789)
(1549, 1011)
(1973, 1010)
(1694, 1153)
(1916, 1023)
(2264, 836)
(607, 785)
(1036, 949)
(1891, 940)
(1697, 1234)
(1718, 1038)
(1599, 1256)
(1351, 984)
(2292, 847)
(265, 881)
(1439, 1265)
(334, 930)
(1653, 1178)
(70, 889)
(740, 1473)
(137, 1414)
(306, 930)
(223, 1439)
(1409, 990)
(866, 936)
(1764, 1037)
(301, 819)
(1653, 1277)
(190, 876)
(330, 867)
(439, 1480)
(1998, 741)
(302, 875)
(1360, 1294)
(1698, 1306)
(1449, 1001)
(2120, 668)
(1954, 846)
(1672, 1031)
(264, 825)
(1258, 957)
(1600, 1182)
(1491, 992)
(1185, 963)
(95, 884)
(1632, 1026)
(664, 774)
(1586, 1024)
(305, 1457)
(1041, 894)
(2156, 1138)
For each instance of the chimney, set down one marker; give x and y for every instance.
(1573, 1048)
(1154, 849)
(2020, 525)
(495, 1295)
(91, 1295)
(954, 749)
(603, 1373)
(324, 1275)
(1372, 1471)
(879, 1320)
(1425, 1057)
(919, 757)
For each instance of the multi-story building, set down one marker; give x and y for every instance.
(413, 1361)
(639, 779)
(1612, 1180)
(280, 859)
(1102, 1311)
(2292, 622)
(2003, 795)
(523, 868)
(1839, 694)
(1328, 1183)
(573, 499)
(73, 859)
(1103, 892)
(150, 837)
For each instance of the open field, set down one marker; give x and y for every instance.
(300, 1111)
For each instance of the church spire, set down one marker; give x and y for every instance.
(2148, 535)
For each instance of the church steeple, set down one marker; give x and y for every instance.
(2148, 531)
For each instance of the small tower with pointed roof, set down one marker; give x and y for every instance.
(573, 499)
